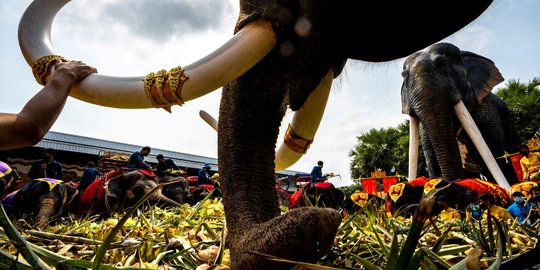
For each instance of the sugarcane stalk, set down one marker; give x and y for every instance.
(19, 242)
(64, 238)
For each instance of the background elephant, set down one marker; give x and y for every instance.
(284, 54)
(123, 190)
(40, 200)
(437, 78)
(326, 195)
(178, 190)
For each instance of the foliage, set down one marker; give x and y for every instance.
(384, 149)
(523, 100)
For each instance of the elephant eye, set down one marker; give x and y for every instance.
(405, 73)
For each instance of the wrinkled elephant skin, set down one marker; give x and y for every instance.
(434, 80)
(313, 38)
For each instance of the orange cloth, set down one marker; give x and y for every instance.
(449, 214)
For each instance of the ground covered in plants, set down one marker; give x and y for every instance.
(193, 238)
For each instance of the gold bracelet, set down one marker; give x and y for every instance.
(295, 142)
(41, 67)
(161, 96)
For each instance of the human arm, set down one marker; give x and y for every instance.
(172, 165)
(39, 114)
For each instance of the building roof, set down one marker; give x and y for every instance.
(81, 144)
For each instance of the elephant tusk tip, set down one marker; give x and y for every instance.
(168, 109)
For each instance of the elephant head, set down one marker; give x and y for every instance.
(177, 189)
(39, 200)
(435, 82)
(284, 53)
(125, 190)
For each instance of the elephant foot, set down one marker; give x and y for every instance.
(304, 234)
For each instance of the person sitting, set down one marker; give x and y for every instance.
(46, 167)
(487, 203)
(448, 213)
(530, 163)
(28, 127)
(89, 176)
(316, 173)
(164, 164)
(136, 160)
(520, 208)
(203, 178)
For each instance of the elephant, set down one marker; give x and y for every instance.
(119, 190)
(434, 81)
(284, 54)
(321, 194)
(9, 179)
(177, 190)
(40, 200)
(459, 194)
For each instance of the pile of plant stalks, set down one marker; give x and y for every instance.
(193, 237)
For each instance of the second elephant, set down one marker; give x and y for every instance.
(434, 81)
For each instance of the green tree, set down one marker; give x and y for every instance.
(384, 149)
(523, 100)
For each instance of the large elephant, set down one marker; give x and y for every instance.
(434, 81)
(119, 190)
(284, 54)
(40, 200)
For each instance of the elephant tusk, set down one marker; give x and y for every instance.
(210, 120)
(304, 125)
(245, 49)
(472, 130)
(413, 147)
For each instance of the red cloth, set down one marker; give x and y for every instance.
(295, 198)
(93, 197)
(147, 172)
(370, 186)
(323, 185)
(420, 181)
(388, 182)
(517, 166)
(481, 187)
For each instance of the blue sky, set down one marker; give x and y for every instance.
(133, 38)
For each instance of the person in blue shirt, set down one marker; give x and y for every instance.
(203, 178)
(520, 208)
(136, 160)
(46, 167)
(89, 175)
(164, 164)
(316, 173)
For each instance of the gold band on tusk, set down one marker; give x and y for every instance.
(295, 142)
(161, 94)
(42, 66)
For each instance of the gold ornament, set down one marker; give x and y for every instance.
(41, 67)
(161, 94)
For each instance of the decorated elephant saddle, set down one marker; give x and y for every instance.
(4, 169)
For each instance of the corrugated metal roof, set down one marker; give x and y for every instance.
(93, 146)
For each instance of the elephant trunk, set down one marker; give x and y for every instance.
(158, 197)
(438, 136)
(46, 208)
(250, 115)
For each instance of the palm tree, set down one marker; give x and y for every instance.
(523, 100)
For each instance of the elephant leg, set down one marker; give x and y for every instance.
(250, 114)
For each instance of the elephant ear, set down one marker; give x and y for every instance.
(482, 75)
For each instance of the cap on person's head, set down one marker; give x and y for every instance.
(160, 156)
(320, 162)
(207, 165)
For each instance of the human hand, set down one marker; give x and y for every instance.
(75, 70)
